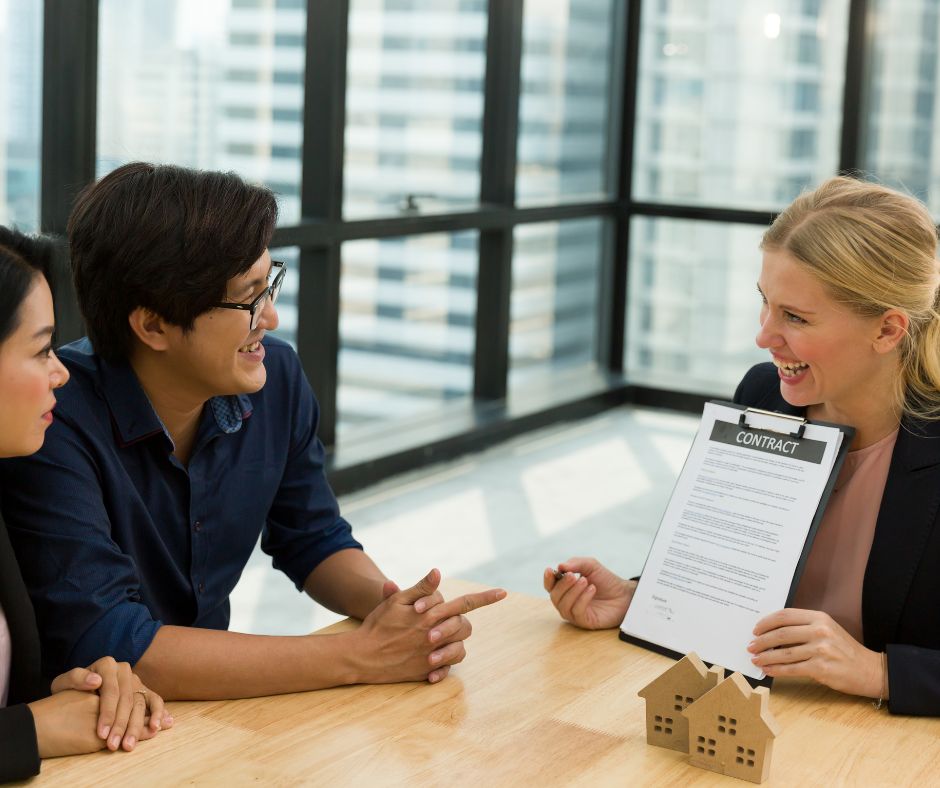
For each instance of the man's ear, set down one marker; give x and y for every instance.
(893, 327)
(149, 328)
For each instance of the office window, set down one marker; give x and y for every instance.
(802, 143)
(20, 111)
(407, 311)
(564, 101)
(289, 40)
(414, 106)
(808, 47)
(739, 101)
(244, 39)
(555, 292)
(902, 143)
(211, 85)
(693, 307)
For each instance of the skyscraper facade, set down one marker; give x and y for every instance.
(20, 111)
(739, 105)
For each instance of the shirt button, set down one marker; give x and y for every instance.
(202, 588)
(197, 526)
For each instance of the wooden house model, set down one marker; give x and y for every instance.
(668, 695)
(731, 730)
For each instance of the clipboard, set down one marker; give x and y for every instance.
(793, 427)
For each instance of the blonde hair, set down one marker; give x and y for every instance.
(874, 249)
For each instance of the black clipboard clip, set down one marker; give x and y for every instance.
(742, 422)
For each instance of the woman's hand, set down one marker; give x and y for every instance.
(809, 643)
(598, 599)
(125, 702)
(66, 724)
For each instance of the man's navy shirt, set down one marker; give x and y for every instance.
(116, 537)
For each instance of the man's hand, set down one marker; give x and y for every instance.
(414, 634)
(589, 595)
(125, 702)
(810, 643)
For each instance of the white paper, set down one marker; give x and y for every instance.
(727, 549)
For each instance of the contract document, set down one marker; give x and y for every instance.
(735, 535)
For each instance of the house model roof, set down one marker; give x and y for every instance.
(734, 693)
(688, 669)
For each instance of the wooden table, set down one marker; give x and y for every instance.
(537, 702)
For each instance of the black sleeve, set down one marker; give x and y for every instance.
(19, 750)
(740, 393)
(914, 680)
(756, 385)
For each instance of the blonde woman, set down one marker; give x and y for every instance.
(849, 288)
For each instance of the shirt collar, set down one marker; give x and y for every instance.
(131, 412)
(230, 411)
(133, 415)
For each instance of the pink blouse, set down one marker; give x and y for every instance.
(835, 569)
(6, 652)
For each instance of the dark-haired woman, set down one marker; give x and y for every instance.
(83, 710)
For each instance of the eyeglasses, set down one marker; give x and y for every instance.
(256, 307)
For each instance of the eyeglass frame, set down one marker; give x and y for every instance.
(256, 306)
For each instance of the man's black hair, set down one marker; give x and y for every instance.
(165, 238)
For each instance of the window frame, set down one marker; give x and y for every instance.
(70, 57)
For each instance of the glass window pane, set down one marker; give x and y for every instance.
(902, 135)
(414, 105)
(693, 309)
(204, 84)
(555, 291)
(407, 311)
(20, 111)
(564, 101)
(739, 101)
(287, 298)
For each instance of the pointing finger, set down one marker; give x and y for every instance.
(464, 604)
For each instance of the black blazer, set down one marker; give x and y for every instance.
(901, 590)
(19, 751)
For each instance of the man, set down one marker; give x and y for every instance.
(185, 433)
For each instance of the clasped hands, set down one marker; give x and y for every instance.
(413, 635)
(115, 708)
